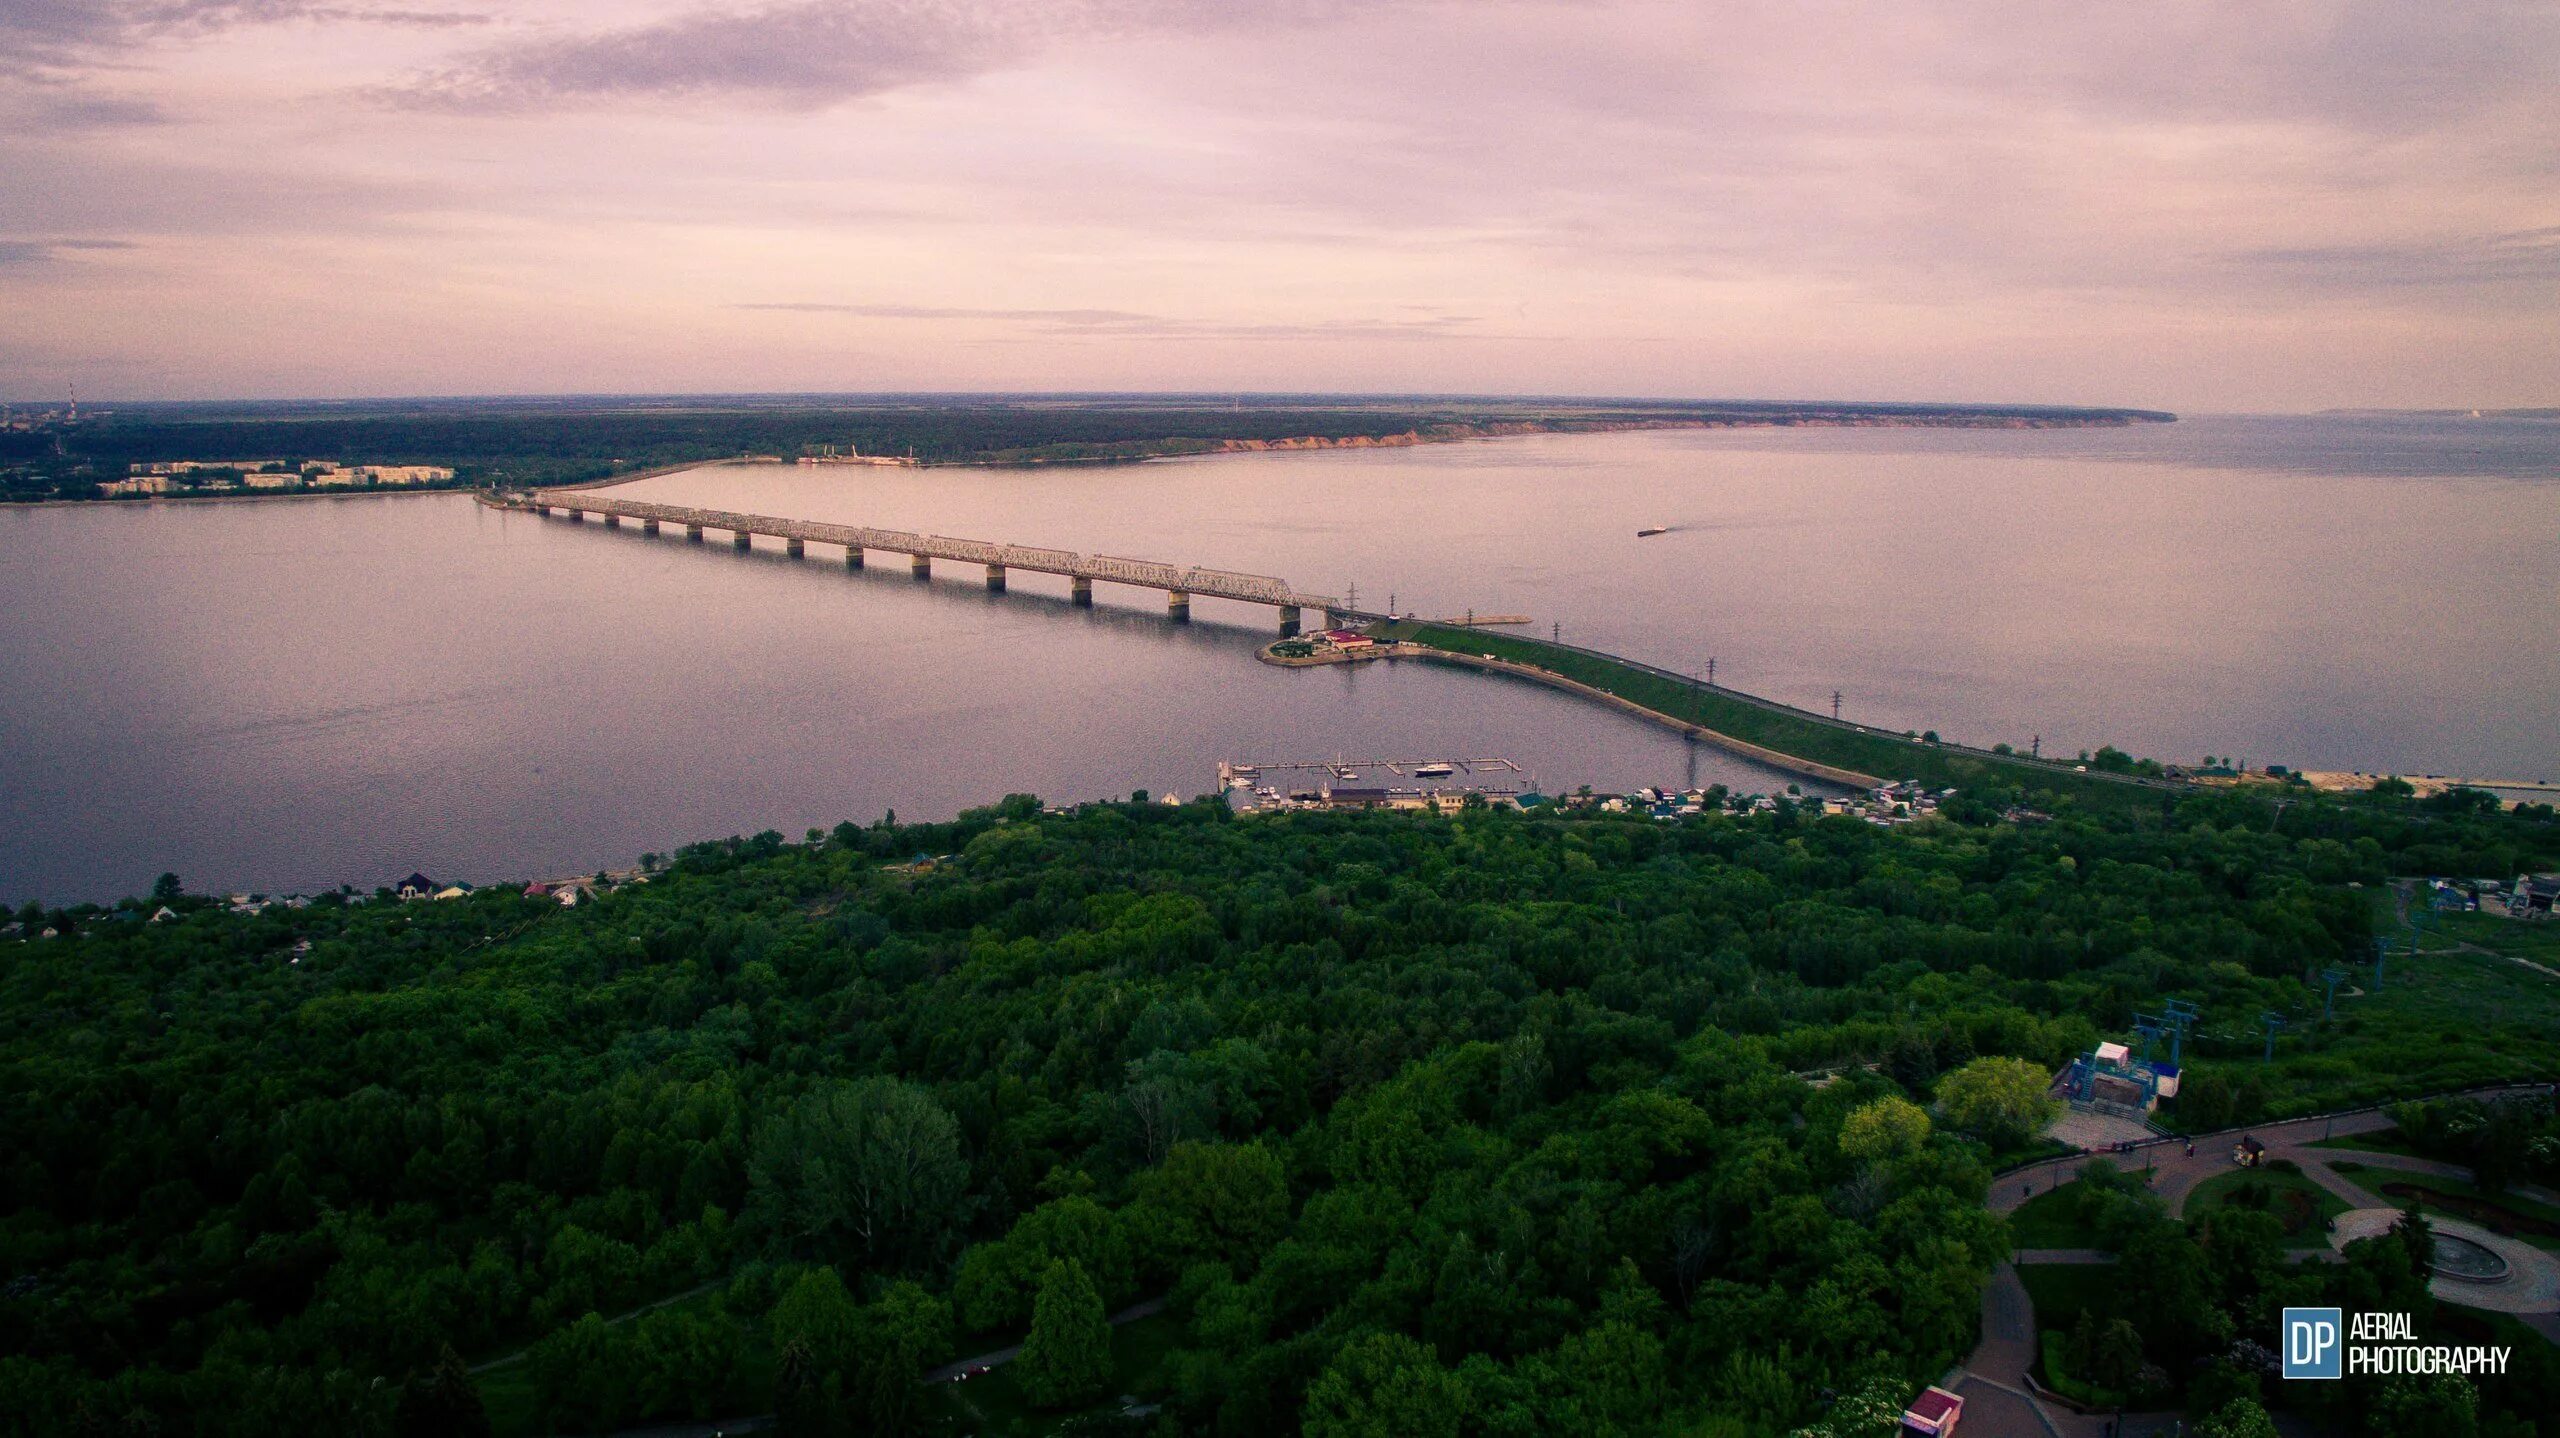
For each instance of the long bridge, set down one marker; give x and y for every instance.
(1179, 581)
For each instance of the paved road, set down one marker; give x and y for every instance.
(649, 1307)
(1002, 1356)
(1993, 1386)
(2173, 1171)
(1997, 1402)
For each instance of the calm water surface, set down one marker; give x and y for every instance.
(297, 694)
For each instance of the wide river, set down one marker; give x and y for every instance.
(295, 694)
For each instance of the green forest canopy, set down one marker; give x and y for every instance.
(1418, 1123)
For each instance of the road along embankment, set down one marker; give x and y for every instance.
(1775, 759)
(1837, 751)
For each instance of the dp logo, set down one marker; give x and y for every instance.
(2311, 1342)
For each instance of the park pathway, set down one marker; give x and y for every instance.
(1002, 1356)
(2000, 1402)
(625, 1317)
(1993, 1382)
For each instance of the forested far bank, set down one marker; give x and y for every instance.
(1492, 1122)
(528, 442)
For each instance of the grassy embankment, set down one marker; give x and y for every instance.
(2441, 1022)
(1803, 736)
(2509, 1213)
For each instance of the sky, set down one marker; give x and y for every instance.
(2191, 204)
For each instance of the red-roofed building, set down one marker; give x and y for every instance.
(1933, 1414)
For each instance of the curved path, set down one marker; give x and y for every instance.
(1002, 1356)
(1999, 1400)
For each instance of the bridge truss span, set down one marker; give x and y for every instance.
(1180, 581)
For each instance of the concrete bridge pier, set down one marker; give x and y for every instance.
(577, 516)
(853, 556)
(920, 565)
(995, 579)
(649, 527)
(613, 521)
(741, 541)
(794, 548)
(1288, 621)
(1177, 606)
(546, 511)
(693, 534)
(1080, 592)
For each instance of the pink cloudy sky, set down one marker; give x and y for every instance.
(2187, 203)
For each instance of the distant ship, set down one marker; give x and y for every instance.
(1649, 531)
(1436, 769)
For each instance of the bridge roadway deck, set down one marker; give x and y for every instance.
(1144, 573)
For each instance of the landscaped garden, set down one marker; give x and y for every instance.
(2279, 1190)
(2510, 1214)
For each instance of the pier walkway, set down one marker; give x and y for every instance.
(1179, 581)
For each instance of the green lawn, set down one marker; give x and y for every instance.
(2056, 1218)
(507, 1393)
(2302, 1206)
(2536, 940)
(2440, 1022)
(2389, 1140)
(2061, 1290)
(2054, 1345)
(2508, 1213)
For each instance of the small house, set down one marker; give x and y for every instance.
(1933, 1414)
(416, 886)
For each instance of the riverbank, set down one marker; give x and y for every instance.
(244, 496)
(1454, 432)
(1772, 733)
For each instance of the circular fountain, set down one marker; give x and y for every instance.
(2469, 1264)
(2464, 1261)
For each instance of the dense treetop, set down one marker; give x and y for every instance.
(1486, 1122)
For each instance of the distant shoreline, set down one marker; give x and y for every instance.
(129, 501)
(1137, 452)
(577, 450)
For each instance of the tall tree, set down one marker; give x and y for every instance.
(867, 1171)
(1385, 1385)
(1067, 1358)
(896, 1337)
(1887, 1128)
(2002, 1100)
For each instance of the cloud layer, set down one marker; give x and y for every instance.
(2184, 203)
